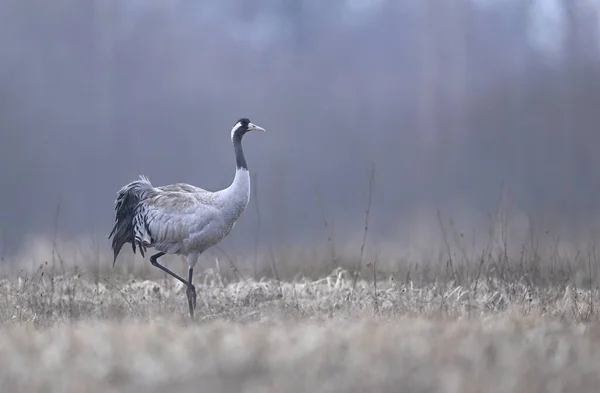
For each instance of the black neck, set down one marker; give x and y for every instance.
(239, 151)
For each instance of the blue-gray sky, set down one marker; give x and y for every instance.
(447, 101)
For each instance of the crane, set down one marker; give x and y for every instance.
(180, 218)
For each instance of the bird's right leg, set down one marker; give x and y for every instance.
(154, 262)
(191, 293)
(191, 290)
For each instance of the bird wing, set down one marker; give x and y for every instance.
(184, 187)
(166, 219)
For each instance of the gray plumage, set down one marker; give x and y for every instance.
(178, 218)
(181, 218)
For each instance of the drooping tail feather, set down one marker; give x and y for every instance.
(128, 197)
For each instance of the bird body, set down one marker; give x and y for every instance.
(180, 218)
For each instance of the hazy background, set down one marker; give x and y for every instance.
(449, 100)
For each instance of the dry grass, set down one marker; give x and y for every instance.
(408, 355)
(79, 332)
(498, 316)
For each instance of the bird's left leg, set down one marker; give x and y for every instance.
(154, 262)
(191, 290)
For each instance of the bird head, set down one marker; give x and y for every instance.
(242, 126)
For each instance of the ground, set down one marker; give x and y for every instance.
(447, 330)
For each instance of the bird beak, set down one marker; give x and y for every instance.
(254, 127)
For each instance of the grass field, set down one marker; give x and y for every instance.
(506, 316)
(491, 326)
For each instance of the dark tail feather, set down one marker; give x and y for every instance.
(127, 200)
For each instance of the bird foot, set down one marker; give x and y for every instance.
(191, 296)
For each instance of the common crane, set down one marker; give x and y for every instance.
(180, 218)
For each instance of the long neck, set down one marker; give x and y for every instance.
(237, 195)
(239, 152)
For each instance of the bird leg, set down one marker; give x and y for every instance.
(191, 293)
(191, 290)
(154, 262)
